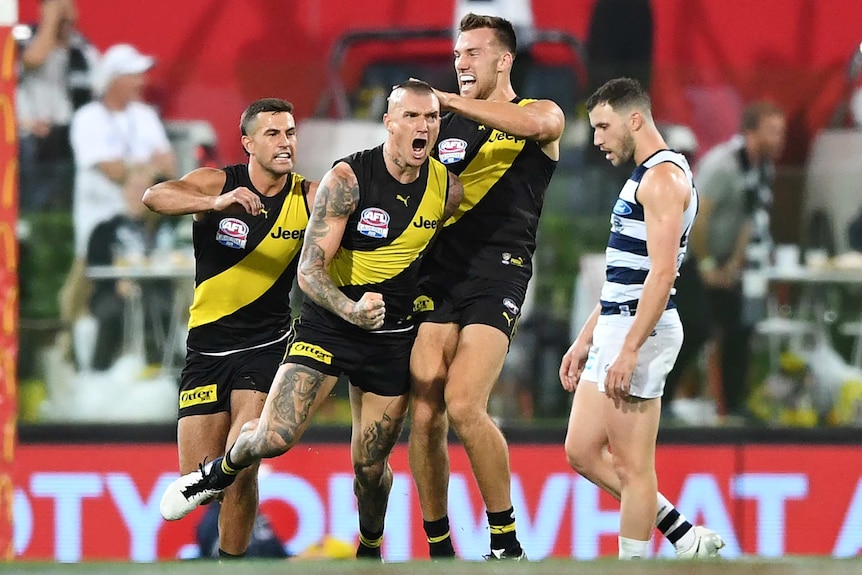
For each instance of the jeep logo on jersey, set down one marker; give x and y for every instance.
(452, 150)
(232, 233)
(374, 223)
(427, 224)
(284, 234)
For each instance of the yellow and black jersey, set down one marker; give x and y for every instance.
(386, 236)
(245, 266)
(493, 233)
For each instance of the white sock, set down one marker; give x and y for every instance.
(632, 548)
(665, 507)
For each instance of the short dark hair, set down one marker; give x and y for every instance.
(620, 94)
(503, 29)
(755, 112)
(413, 85)
(262, 105)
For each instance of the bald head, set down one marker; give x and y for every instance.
(413, 123)
(416, 87)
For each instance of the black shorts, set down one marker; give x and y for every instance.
(375, 362)
(207, 380)
(471, 301)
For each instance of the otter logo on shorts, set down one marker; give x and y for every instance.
(374, 223)
(310, 350)
(199, 395)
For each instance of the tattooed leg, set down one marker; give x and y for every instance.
(377, 423)
(296, 393)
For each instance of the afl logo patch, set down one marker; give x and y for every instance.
(452, 150)
(232, 233)
(510, 305)
(374, 223)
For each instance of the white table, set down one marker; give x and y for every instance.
(133, 332)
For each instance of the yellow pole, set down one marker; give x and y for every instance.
(8, 274)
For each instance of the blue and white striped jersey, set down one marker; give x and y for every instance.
(626, 255)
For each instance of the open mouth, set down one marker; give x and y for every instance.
(466, 81)
(419, 145)
(284, 156)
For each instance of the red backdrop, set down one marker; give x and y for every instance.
(82, 502)
(217, 55)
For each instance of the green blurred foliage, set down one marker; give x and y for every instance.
(46, 254)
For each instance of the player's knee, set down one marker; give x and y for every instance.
(428, 415)
(426, 385)
(579, 456)
(268, 441)
(627, 471)
(463, 413)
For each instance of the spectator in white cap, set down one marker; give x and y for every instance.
(120, 148)
(116, 139)
(122, 60)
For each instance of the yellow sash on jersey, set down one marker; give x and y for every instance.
(493, 160)
(243, 283)
(356, 267)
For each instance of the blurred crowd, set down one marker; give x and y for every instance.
(90, 145)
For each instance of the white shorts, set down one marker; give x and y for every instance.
(655, 358)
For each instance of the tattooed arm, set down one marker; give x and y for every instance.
(336, 198)
(456, 194)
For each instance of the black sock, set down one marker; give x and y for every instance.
(221, 475)
(502, 524)
(369, 543)
(674, 526)
(224, 555)
(228, 467)
(439, 538)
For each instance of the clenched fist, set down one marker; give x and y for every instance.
(369, 311)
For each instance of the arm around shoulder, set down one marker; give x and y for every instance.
(549, 119)
(542, 120)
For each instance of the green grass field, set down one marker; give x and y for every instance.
(784, 566)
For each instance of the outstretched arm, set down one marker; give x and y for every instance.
(199, 192)
(336, 198)
(542, 120)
